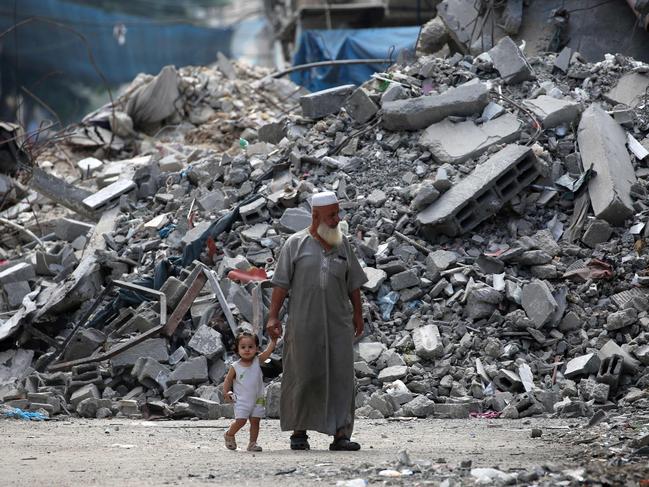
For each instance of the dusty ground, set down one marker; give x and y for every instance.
(130, 452)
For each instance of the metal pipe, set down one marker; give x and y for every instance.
(337, 62)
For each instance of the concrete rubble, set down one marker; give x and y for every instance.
(493, 287)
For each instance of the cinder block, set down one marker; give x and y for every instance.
(610, 371)
(582, 366)
(360, 106)
(325, 102)
(419, 113)
(552, 111)
(482, 193)
(508, 381)
(602, 145)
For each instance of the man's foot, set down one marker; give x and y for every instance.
(254, 447)
(300, 441)
(344, 444)
(230, 442)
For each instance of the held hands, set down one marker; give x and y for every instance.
(229, 396)
(274, 328)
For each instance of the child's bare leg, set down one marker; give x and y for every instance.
(254, 429)
(236, 425)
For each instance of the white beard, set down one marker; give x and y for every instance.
(333, 236)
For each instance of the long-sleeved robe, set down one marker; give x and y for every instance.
(318, 359)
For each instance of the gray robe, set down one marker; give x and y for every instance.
(318, 359)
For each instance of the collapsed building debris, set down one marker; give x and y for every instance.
(518, 302)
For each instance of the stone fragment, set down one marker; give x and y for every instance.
(109, 193)
(510, 62)
(583, 365)
(404, 280)
(325, 102)
(68, 229)
(534, 257)
(382, 402)
(482, 302)
(552, 112)
(376, 198)
(440, 260)
(562, 61)
(482, 193)
(599, 231)
(425, 195)
(272, 132)
(370, 351)
(207, 342)
(455, 411)
(602, 145)
(393, 373)
(433, 36)
(630, 90)
(454, 143)
(273, 397)
(17, 273)
(360, 106)
(84, 392)
(156, 348)
(419, 407)
(591, 389)
(394, 92)
(621, 319)
(418, 113)
(295, 219)
(204, 408)
(15, 292)
(375, 278)
(177, 392)
(150, 373)
(428, 342)
(193, 371)
(538, 302)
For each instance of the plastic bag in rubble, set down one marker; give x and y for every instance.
(21, 414)
(155, 101)
(386, 304)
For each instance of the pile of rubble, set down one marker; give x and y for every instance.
(498, 204)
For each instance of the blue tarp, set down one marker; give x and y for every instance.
(324, 45)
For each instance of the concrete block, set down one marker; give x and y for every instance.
(217, 371)
(360, 106)
(393, 373)
(508, 381)
(621, 319)
(375, 277)
(174, 289)
(295, 219)
(482, 193)
(322, 103)
(212, 201)
(591, 389)
(204, 408)
(440, 260)
(418, 113)
(428, 342)
(382, 402)
(610, 348)
(253, 211)
(456, 411)
(404, 279)
(193, 371)
(177, 392)
(84, 342)
(538, 302)
(419, 407)
(552, 112)
(630, 90)
(109, 193)
(599, 231)
(510, 62)
(68, 229)
(156, 348)
(454, 143)
(15, 293)
(394, 92)
(151, 373)
(207, 342)
(272, 133)
(562, 61)
(610, 371)
(583, 365)
(17, 273)
(376, 198)
(370, 351)
(85, 392)
(602, 145)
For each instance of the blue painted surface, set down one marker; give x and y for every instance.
(322, 45)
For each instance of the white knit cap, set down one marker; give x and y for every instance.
(324, 198)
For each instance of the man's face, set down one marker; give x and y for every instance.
(327, 215)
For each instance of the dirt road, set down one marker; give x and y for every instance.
(135, 453)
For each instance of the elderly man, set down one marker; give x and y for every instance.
(318, 271)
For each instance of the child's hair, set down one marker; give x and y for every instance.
(244, 334)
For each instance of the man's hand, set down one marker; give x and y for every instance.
(359, 325)
(274, 328)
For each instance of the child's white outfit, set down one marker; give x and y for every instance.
(249, 400)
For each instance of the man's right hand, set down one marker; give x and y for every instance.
(274, 328)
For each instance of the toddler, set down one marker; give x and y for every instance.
(248, 397)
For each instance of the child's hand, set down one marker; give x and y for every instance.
(229, 396)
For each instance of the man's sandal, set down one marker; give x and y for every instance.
(230, 441)
(344, 444)
(300, 442)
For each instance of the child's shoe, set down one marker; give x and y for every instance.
(254, 447)
(230, 441)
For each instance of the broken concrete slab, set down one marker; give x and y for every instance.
(370, 351)
(428, 342)
(599, 231)
(193, 371)
(18, 273)
(360, 106)
(403, 280)
(295, 219)
(538, 302)
(552, 112)
(418, 113)
(15, 292)
(375, 277)
(482, 193)
(510, 62)
(109, 193)
(583, 365)
(156, 348)
(453, 143)
(207, 342)
(602, 145)
(68, 229)
(630, 90)
(322, 103)
(393, 373)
